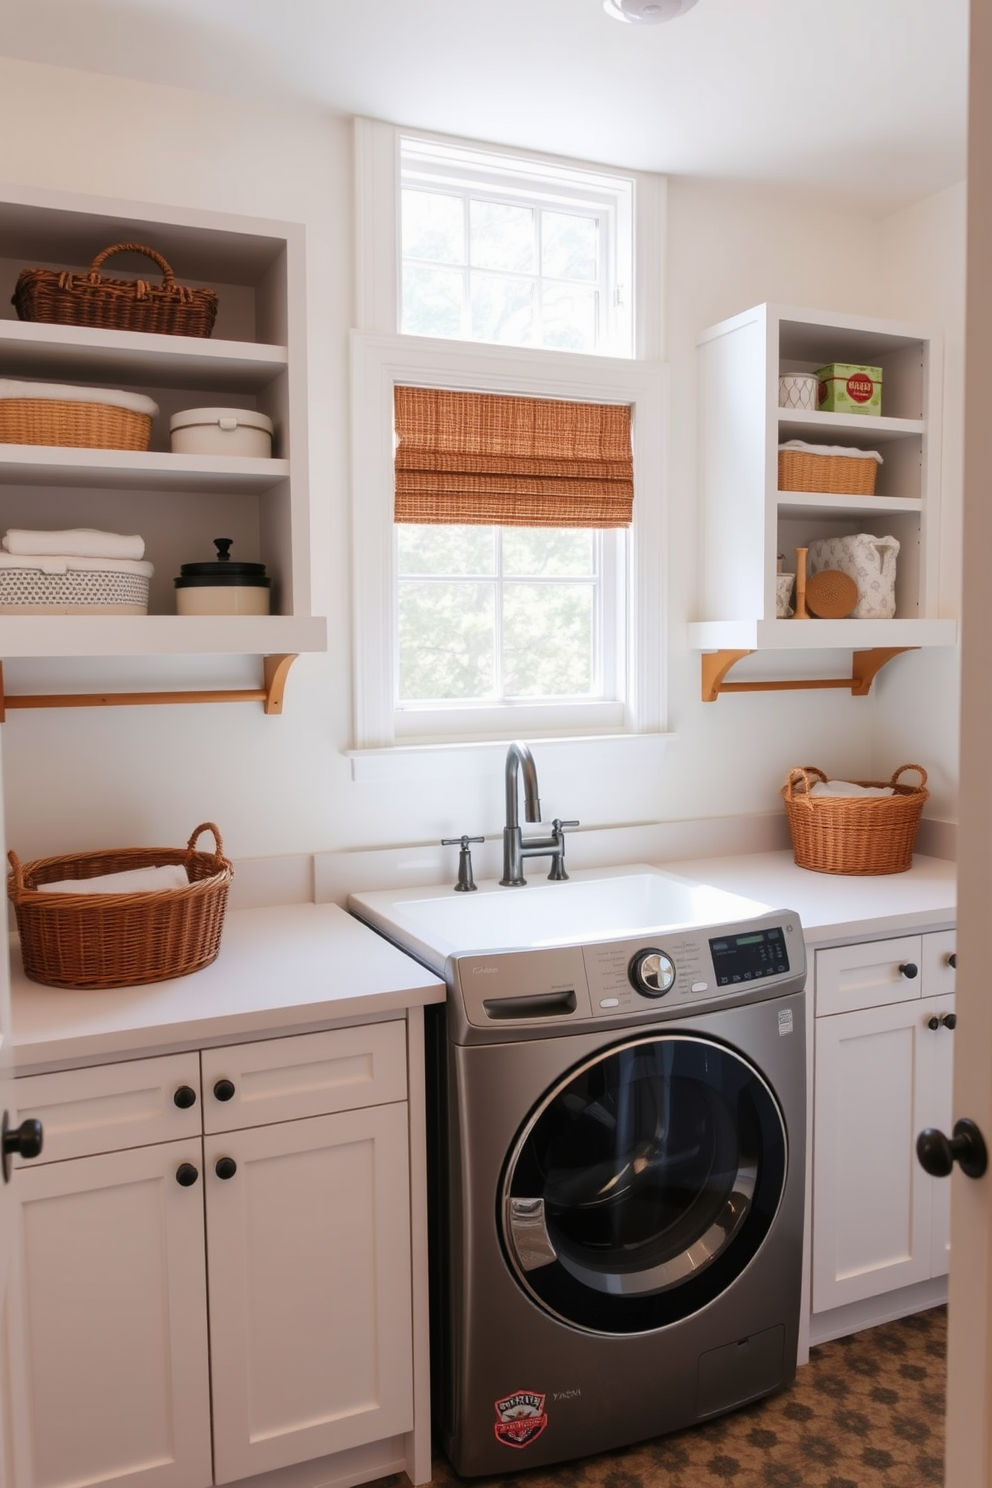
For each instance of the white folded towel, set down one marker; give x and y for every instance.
(849, 788)
(70, 393)
(60, 563)
(82, 542)
(131, 881)
(832, 449)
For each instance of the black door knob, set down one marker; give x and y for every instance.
(950, 1020)
(952, 959)
(933, 1022)
(224, 1090)
(938, 1154)
(185, 1097)
(225, 1167)
(19, 1141)
(186, 1175)
(910, 969)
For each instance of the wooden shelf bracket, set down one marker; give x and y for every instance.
(864, 667)
(275, 670)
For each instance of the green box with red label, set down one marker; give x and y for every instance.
(844, 387)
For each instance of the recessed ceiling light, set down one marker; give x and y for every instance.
(646, 12)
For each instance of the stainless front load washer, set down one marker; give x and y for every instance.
(618, 1172)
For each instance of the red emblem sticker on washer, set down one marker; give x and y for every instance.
(521, 1418)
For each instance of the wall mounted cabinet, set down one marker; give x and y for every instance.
(746, 521)
(179, 503)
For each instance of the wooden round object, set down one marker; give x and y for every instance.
(831, 595)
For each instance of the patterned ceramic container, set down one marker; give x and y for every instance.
(797, 390)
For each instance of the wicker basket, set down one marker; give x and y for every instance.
(116, 304)
(120, 940)
(82, 425)
(839, 475)
(853, 834)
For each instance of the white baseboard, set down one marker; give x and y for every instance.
(873, 1311)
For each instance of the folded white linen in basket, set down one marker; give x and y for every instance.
(849, 788)
(70, 393)
(60, 563)
(81, 542)
(131, 881)
(832, 449)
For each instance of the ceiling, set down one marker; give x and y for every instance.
(861, 102)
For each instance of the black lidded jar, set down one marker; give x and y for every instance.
(222, 586)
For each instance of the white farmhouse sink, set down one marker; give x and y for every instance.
(594, 904)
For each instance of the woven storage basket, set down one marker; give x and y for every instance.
(853, 834)
(116, 304)
(839, 475)
(79, 591)
(81, 425)
(120, 940)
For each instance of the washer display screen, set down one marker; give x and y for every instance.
(748, 957)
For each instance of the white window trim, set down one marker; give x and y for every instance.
(378, 363)
(381, 358)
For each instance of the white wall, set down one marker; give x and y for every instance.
(85, 778)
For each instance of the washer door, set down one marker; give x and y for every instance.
(643, 1183)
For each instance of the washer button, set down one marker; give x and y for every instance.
(699, 987)
(609, 1002)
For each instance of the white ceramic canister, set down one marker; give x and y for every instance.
(221, 431)
(797, 390)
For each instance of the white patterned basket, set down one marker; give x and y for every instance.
(121, 590)
(869, 561)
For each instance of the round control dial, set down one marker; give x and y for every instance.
(651, 972)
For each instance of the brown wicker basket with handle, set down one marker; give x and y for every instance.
(120, 940)
(116, 304)
(853, 834)
(835, 475)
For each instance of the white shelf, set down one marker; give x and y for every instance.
(818, 635)
(150, 635)
(798, 423)
(827, 503)
(58, 352)
(46, 465)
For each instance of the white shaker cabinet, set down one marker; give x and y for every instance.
(884, 1052)
(224, 1305)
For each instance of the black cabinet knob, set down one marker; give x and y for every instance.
(909, 969)
(185, 1097)
(952, 959)
(186, 1175)
(225, 1167)
(933, 1022)
(224, 1090)
(19, 1141)
(938, 1154)
(950, 1020)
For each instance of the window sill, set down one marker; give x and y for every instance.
(487, 757)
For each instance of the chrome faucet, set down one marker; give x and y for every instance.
(516, 846)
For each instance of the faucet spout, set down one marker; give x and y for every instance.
(520, 760)
(516, 847)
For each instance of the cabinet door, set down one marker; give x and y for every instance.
(868, 975)
(936, 1090)
(115, 1302)
(308, 1253)
(871, 1199)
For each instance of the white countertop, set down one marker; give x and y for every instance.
(836, 907)
(280, 970)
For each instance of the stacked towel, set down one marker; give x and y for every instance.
(131, 881)
(69, 393)
(849, 788)
(77, 548)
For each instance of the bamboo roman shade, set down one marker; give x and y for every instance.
(483, 458)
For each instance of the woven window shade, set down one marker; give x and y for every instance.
(482, 458)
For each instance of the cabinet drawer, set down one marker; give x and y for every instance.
(868, 974)
(309, 1074)
(938, 970)
(109, 1108)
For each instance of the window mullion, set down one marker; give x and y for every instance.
(500, 680)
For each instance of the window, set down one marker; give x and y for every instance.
(485, 273)
(499, 249)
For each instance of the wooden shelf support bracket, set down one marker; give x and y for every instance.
(275, 670)
(865, 665)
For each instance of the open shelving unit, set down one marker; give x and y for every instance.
(178, 503)
(746, 521)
